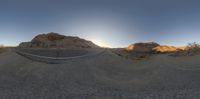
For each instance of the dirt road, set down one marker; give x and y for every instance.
(105, 76)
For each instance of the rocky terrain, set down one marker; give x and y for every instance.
(166, 49)
(55, 40)
(103, 76)
(136, 72)
(144, 50)
(2, 49)
(142, 47)
(149, 47)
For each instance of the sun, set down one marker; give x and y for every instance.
(100, 43)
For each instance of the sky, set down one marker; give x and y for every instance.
(110, 23)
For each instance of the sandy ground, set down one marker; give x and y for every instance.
(59, 52)
(104, 76)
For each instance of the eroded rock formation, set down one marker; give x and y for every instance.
(142, 47)
(55, 40)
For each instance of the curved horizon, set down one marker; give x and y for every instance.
(113, 23)
(99, 43)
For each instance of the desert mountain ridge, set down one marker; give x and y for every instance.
(55, 40)
(152, 47)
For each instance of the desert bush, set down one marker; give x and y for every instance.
(193, 48)
(190, 50)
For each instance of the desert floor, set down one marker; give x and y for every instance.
(103, 76)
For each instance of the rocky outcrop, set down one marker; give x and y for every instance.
(142, 47)
(165, 49)
(25, 45)
(55, 40)
(152, 47)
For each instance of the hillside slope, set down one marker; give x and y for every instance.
(55, 40)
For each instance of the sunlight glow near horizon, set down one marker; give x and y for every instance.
(100, 43)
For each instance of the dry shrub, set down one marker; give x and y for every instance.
(190, 50)
(193, 48)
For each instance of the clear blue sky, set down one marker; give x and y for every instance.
(116, 23)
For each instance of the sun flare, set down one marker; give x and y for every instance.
(100, 43)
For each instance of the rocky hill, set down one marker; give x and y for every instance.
(142, 47)
(166, 49)
(144, 50)
(149, 47)
(55, 40)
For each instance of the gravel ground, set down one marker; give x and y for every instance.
(104, 76)
(59, 52)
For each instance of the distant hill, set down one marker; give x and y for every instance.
(143, 50)
(55, 40)
(142, 47)
(152, 47)
(166, 49)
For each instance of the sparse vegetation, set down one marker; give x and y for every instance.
(193, 48)
(120, 52)
(131, 54)
(2, 49)
(190, 50)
